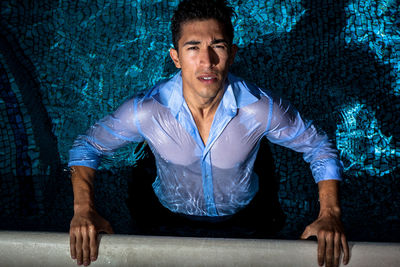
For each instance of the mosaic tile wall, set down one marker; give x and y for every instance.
(64, 64)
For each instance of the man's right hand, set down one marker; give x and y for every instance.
(85, 225)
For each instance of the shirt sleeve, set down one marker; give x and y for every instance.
(288, 129)
(106, 136)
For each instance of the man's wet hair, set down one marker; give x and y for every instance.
(189, 10)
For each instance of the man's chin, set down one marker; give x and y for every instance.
(210, 92)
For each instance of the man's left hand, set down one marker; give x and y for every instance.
(331, 239)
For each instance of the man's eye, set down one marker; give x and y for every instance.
(219, 46)
(192, 48)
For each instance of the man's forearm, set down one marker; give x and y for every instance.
(82, 179)
(86, 223)
(329, 197)
(328, 227)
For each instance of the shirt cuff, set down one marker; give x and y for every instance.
(84, 156)
(327, 169)
(91, 164)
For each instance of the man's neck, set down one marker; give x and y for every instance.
(203, 111)
(203, 108)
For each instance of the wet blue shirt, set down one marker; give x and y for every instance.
(216, 178)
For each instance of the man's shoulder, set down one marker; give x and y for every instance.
(161, 92)
(157, 98)
(246, 92)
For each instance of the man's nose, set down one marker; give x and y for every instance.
(209, 57)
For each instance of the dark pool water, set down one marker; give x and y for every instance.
(65, 64)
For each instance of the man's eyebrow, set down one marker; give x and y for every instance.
(191, 43)
(218, 41)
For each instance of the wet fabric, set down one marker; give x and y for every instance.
(216, 178)
(253, 221)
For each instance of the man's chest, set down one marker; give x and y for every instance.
(179, 141)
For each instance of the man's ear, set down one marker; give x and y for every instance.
(175, 58)
(234, 49)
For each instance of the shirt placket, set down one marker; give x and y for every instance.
(222, 117)
(208, 185)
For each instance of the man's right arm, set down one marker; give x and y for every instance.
(86, 223)
(103, 138)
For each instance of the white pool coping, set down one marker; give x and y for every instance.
(52, 249)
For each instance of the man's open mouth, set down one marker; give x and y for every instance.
(207, 78)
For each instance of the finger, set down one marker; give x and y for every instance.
(336, 250)
(345, 247)
(306, 233)
(107, 228)
(321, 249)
(93, 244)
(110, 230)
(78, 249)
(85, 247)
(72, 245)
(329, 250)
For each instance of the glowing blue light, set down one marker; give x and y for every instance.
(268, 18)
(373, 23)
(363, 148)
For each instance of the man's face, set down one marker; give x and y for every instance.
(204, 57)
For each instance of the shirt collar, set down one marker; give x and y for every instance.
(238, 93)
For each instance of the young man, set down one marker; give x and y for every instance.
(204, 127)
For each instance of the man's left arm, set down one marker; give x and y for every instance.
(328, 227)
(287, 128)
